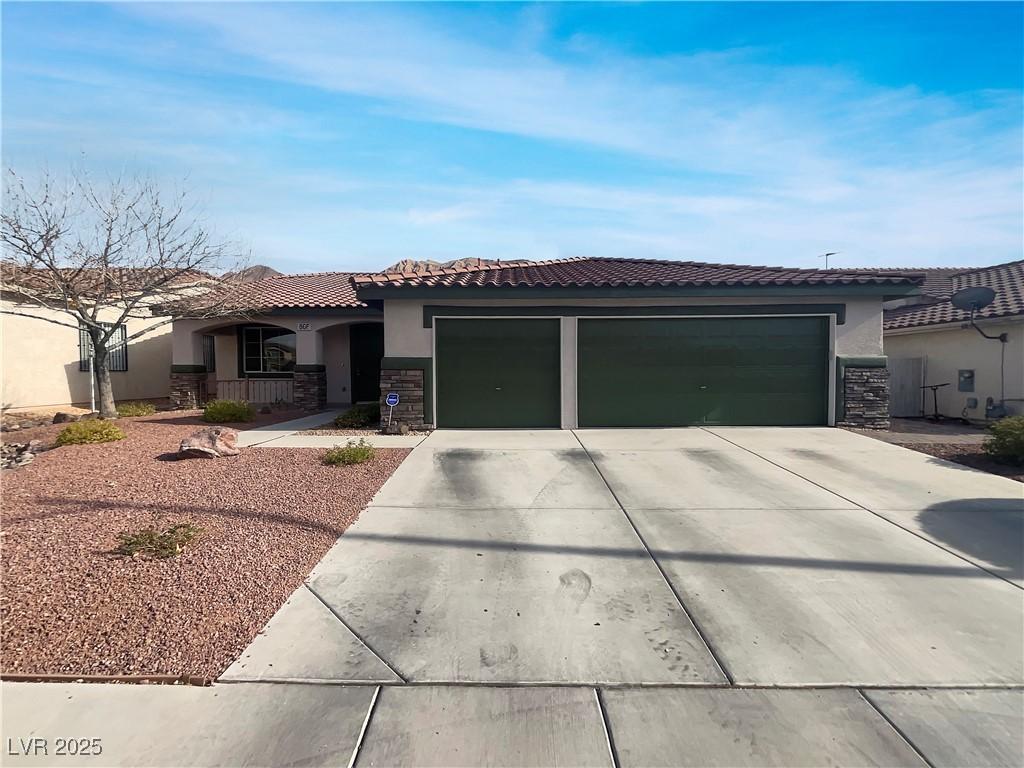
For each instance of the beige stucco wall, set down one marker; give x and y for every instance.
(859, 336)
(40, 362)
(405, 336)
(948, 350)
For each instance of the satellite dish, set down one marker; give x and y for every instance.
(973, 299)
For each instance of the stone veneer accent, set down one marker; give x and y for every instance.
(408, 383)
(865, 398)
(309, 387)
(188, 387)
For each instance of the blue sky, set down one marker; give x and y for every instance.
(348, 136)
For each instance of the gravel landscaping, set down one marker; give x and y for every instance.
(69, 605)
(330, 429)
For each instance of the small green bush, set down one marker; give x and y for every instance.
(351, 453)
(228, 411)
(1007, 441)
(149, 541)
(359, 417)
(135, 409)
(83, 432)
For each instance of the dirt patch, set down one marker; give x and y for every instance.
(70, 606)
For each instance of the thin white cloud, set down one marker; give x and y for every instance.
(752, 162)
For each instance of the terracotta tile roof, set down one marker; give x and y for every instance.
(91, 282)
(593, 272)
(1007, 280)
(322, 290)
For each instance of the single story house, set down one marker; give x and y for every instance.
(581, 342)
(930, 342)
(45, 359)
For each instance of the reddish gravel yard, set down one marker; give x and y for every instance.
(69, 606)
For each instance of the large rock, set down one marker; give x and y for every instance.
(210, 443)
(14, 455)
(63, 417)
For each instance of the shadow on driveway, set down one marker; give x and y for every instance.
(863, 566)
(988, 530)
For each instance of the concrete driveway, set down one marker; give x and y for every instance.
(731, 596)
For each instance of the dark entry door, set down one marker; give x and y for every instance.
(669, 372)
(366, 349)
(498, 373)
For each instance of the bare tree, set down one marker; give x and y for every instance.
(100, 255)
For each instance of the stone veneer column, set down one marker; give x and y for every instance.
(408, 383)
(865, 397)
(309, 387)
(188, 386)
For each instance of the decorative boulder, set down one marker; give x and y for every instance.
(210, 443)
(62, 417)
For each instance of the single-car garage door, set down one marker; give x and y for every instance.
(661, 372)
(498, 373)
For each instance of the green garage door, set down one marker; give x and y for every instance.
(498, 373)
(663, 372)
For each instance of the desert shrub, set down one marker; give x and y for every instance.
(135, 409)
(228, 411)
(352, 452)
(149, 541)
(359, 417)
(1007, 441)
(96, 431)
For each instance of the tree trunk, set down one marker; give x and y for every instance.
(104, 387)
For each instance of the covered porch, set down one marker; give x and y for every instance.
(307, 360)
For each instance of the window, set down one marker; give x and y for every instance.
(209, 353)
(268, 350)
(117, 345)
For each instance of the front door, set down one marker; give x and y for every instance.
(366, 349)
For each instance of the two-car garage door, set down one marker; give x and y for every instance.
(634, 372)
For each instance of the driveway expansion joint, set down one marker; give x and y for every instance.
(355, 634)
(899, 732)
(603, 710)
(867, 509)
(693, 622)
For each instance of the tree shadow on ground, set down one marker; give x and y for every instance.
(988, 530)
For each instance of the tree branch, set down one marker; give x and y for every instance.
(38, 317)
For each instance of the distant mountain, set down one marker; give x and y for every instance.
(427, 265)
(251, 274)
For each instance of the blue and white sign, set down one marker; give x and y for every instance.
(391, 399)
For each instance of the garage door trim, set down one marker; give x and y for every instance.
(830, 415)
(433, 352)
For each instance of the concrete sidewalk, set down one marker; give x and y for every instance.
(283, 435)
(256, 724)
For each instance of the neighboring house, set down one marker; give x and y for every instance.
(45, 364)
(576, 342)
(929, 341)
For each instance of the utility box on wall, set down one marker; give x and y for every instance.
(965, 380)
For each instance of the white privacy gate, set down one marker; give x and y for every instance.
(906, 377)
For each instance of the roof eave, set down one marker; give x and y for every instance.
(884, 291)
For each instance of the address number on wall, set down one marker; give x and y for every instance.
(305, 326)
